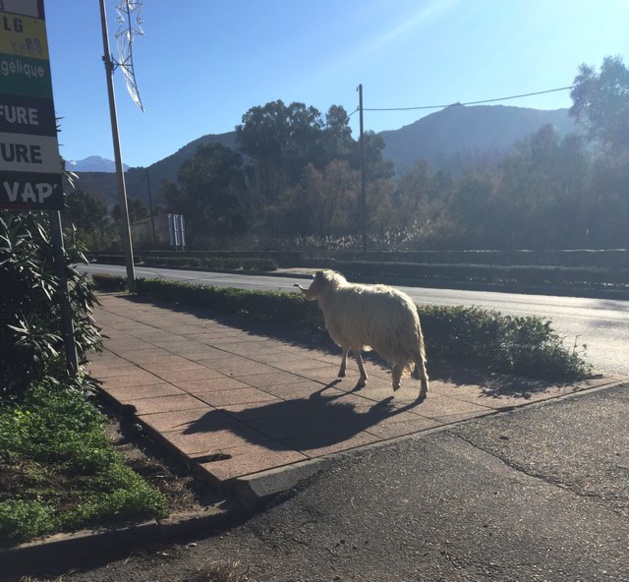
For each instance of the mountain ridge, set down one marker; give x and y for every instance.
(454, 133)
(93, 164)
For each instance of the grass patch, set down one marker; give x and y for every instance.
(478, 338)
(60, 472)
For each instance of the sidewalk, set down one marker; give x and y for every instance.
(252, 408)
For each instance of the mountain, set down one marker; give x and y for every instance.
(459, 132)
(93, 164)
(139, 180)
(458, 135)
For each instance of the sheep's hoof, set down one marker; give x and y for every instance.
(341, 374)
(360, 384)
(396, 387)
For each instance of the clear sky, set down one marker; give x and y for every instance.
(202, 64)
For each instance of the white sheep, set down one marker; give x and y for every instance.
(363, 317)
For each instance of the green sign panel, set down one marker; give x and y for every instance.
(30, 164)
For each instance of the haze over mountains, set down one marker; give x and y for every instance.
(455, 133)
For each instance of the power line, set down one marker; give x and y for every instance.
(467, 103)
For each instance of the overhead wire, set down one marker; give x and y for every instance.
(467, 102)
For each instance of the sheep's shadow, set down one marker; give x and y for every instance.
(303, 424)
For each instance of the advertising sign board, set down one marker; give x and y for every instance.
(30, 165)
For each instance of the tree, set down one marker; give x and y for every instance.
(601, 108)
(280, 140)
(137, 211)
(172, 194)
(412, 194)
(542, 191)
(323, 203)
(211, 192)
(375, 165)
(472, 206)
(337, 135)
(86, 211)
(601, 105)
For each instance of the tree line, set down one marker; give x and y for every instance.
(294, 180)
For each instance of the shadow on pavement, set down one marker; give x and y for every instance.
(302, 423)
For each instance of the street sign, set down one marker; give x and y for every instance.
(30, 164)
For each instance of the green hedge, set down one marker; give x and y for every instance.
(287, 309)
(487, 340)
(211, 263)
(192, 262)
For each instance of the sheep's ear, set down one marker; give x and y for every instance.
(319, 275)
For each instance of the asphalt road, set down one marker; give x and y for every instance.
(536, 494)
(601, 325)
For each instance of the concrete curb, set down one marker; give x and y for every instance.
(67, 551)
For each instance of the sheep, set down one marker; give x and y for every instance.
(364, 317)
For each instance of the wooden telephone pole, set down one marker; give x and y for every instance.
(363, 197)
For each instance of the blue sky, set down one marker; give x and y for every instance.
(202, 64)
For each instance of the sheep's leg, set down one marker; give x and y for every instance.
(396, 375)
(420, 362)
(343, 363)
(361, 366)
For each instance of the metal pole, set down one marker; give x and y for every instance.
(148, 184)
(363, 201)
(122, 189)
(67, 323)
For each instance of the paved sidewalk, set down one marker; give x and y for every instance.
(243, 405)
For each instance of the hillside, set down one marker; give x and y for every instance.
(457, 133)
(105, 186)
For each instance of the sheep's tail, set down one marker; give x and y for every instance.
(420, 362)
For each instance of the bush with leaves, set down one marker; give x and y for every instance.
(481, 338)
(31, 341)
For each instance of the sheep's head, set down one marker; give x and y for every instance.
(322, 281)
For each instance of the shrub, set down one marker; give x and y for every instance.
(31, 342)
(113, 283)
(526, 346)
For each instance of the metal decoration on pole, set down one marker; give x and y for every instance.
(127, 66)
(363, 197)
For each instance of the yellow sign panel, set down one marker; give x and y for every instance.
(21, 36)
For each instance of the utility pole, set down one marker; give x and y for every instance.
(67, 321)
(122, 189)
(148, 185)
(363, 201)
